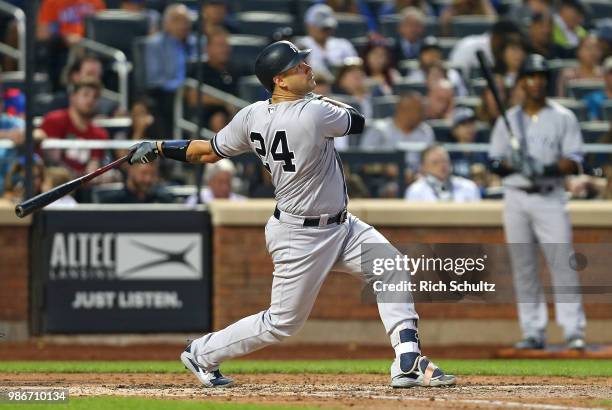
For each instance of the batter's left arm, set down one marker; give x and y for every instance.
(196, 151)
(356, 119)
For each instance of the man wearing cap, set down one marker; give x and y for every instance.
(437, 183)
(464, 131)
(596, 99)
(328, 52)
(549, 148)
(410, 29)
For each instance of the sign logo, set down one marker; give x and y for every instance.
(126, 256)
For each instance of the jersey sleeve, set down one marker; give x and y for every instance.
(499, 146)
(330, 120)
(571, 142)
(233, 140)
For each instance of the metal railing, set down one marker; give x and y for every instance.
(18, 53)
(182, 124)
(121, 66)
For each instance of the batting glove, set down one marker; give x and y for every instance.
(143, 153)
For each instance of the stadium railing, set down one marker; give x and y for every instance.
(19, 52)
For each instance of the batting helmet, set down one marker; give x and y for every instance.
(276, 59)
(534, 63)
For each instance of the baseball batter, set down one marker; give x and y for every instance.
(311, 231)
(534, 212)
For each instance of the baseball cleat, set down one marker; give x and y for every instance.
(208, 379)
(423, 373)
(576, 343)
(530, 343)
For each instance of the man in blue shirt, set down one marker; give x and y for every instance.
(12, 129)
(595, 100)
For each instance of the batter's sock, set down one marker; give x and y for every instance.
(405, 342)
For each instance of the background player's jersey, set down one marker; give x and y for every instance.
(294, 141)
(552, 134)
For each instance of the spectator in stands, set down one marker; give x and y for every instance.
(351, 81)
(219, 178)
(604, 37)
(217, 72)
(524, 11)
(379, 68)
(411, 29)
(487, 110)
(75, 122)
(324, 85)
(166, 56)
(595, 100)
(54, 177)
(215, 15)
(140, 7)
(407, 125)
(328, 52)
(440, 101)
(437, 183)
(430, 55)
(141, 186)
(539, 28)
(464, 8)
(464, 132)
(219, 118)
(397, 6)
(60, 25)
(463, 55)
(512, 55)
(12, 129)
(87, 66)
(589, 68)
(14, 182)
(568, 30)
(144, 125)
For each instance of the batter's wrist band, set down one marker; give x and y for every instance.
(175, 149)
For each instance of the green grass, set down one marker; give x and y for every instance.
(133, 403)
(460, 367)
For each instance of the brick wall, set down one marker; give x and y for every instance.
(13, 273)
(243, 276)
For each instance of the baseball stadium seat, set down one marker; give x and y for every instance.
(383, 107)
(576, 106)
(462, 26)
(442, 130)
(469, 101)
(138, 74)
(351, 25)
(16, 79)
(477, 86)
(580, 88)
(117, 29)
(404, 86)
(607, 111)
(388, 26)
(447, 44)
(273, 6)
(246, 48)
(592, 131)
(250, 89)
(599, 8)
(262, 23)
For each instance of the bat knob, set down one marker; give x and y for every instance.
(19, 211)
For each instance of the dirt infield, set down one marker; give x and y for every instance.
(356, 391)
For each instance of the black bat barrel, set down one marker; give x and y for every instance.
(39, 201)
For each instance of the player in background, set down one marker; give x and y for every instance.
(534, 205)
(311, 231)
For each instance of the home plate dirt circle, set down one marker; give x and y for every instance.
(339, 391)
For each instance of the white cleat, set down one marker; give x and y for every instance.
(208, 379)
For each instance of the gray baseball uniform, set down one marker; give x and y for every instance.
(294, 141)
(541, 217)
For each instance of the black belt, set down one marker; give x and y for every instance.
(538, 189)
(339, 218)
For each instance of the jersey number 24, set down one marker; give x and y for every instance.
(284, 154)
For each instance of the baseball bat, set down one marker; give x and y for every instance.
(486, 71)
(41, 200)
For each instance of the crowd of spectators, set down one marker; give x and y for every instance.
(411, 71)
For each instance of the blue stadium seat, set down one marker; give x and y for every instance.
(599, 8)
(116, 28)
(351, 26)
(404, 86)
(607, 111)
(592, 131)
(245, 49)
(262, 23)
(250, 89)
(447, 44)
(442, 130)
(384, 107)
(462, 26)
(579, 88)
